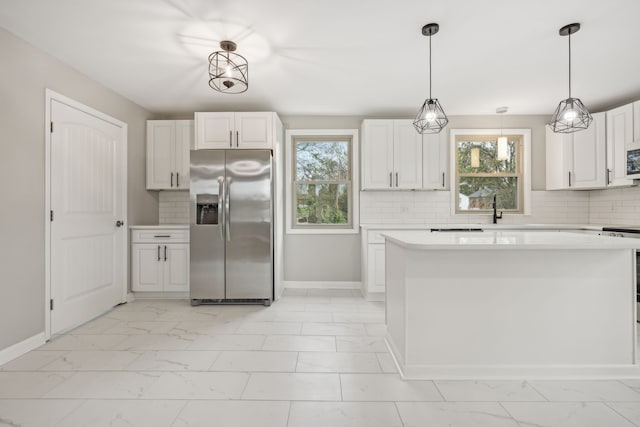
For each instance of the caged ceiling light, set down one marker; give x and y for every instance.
(228, 71)
(431, 117)
(571, 114)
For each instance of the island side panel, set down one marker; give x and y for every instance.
(518, 307)
(395, 304)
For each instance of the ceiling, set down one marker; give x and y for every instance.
(344, 57)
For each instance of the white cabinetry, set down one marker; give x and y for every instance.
(160, 259)
(168, 145)
(373, 264)
(619, 135)
(636, 121)
(577, 160)
(252, 130)
(391, 155)
(435, 161)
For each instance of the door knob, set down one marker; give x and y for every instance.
(119, 223)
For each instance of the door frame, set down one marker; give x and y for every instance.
(50, 96)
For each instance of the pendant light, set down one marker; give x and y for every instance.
(431, 117)
(228, 71)
(503, 143)
(571, 114)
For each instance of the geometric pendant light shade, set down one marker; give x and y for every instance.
(228, 71)
(571, 114)
(431, 117)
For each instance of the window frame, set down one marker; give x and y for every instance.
(524, 196)
(293, 135)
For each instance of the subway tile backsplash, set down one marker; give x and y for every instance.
(620, 206)
(173, 207)
(428, 207)
(611, 207)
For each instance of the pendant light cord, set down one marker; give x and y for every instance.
(569, 63)
(429, 67)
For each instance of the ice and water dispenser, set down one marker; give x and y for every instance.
(207, 209)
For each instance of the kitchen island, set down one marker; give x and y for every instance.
(511, 304)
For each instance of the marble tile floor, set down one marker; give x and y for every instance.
(314, 358)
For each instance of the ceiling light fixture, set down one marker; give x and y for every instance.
(571, 114)
(228, 71)
(431, 117)
(503, 143)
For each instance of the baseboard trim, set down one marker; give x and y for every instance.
(130, 297)
(320, 285)
(21, 348)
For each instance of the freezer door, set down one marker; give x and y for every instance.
(207, 224)
(249, 233)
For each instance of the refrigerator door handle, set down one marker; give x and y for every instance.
(221, 202)
(227, 215)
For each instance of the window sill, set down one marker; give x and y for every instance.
(324, 231)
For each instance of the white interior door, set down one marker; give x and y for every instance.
(87, 190)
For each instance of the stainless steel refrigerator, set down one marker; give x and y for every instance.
(231, 226)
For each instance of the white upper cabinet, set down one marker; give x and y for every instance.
(577, 160)
(391, 155)
(619, 135)
(253, 130)
(168, 145)
(377, 154)
(407, 155)
(588, 155)
(636, 121)
(435, 161)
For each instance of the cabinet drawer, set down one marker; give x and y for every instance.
(159, 235)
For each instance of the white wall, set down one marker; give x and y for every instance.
(24, 74)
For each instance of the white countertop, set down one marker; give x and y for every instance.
(592, 227)
(506, 240)
(162, 226)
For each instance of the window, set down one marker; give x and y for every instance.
(322, 175)
(484, 170)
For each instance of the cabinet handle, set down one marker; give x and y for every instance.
(396, 179)
(608, 176)
(177, 179)
(230, 139)
(390, 179)
(158, 252)
(172, 179)
(165, 252)
(157, 236)
(442, 179)
(569, 178)
(237, 139)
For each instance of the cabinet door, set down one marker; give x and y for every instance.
(435, 161)
(376, 269)
(636, 121)
(558, 159)
(254, 130)
(161, 136)
(184, 143)
(176, 267)
(146, 267)
(407, 156)
(377, 154)
(619, 134)
(214, 130)
(589, 155)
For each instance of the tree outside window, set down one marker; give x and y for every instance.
(481, 174)
(322, 181)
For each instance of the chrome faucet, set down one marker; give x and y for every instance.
(496, 217)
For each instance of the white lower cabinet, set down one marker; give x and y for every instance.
(373, 264)
(160, 260)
